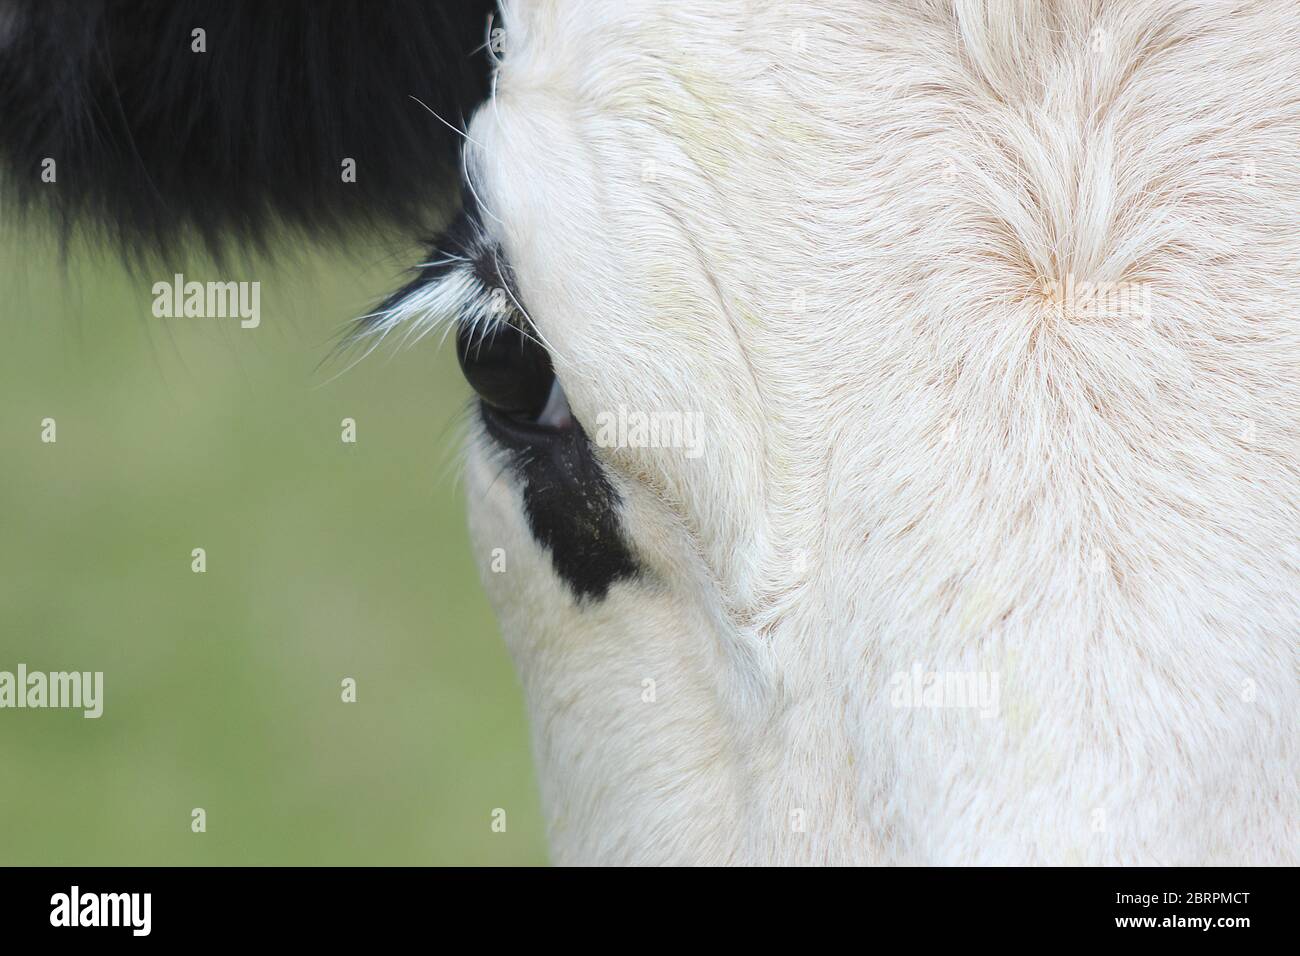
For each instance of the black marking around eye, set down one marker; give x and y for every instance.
(571, 507)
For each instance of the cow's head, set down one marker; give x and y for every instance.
(786, 392)
(886, 439)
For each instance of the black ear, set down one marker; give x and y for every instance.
(160, 134)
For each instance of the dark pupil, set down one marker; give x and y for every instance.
(510, 371)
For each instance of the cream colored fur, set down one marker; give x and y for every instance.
(842, 234)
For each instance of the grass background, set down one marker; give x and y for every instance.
(222, 690)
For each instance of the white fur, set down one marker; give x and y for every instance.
(839, 233)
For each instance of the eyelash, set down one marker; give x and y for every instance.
(464, 282)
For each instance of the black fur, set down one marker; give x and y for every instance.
(156, 144)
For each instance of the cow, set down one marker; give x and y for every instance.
(888, 411)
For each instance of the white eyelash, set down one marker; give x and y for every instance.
(457, 296)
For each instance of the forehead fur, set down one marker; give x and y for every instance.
(835, 234)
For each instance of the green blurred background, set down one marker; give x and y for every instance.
(325, 560)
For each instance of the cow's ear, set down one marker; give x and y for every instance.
(228, 121)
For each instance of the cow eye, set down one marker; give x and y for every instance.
(511, 372)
